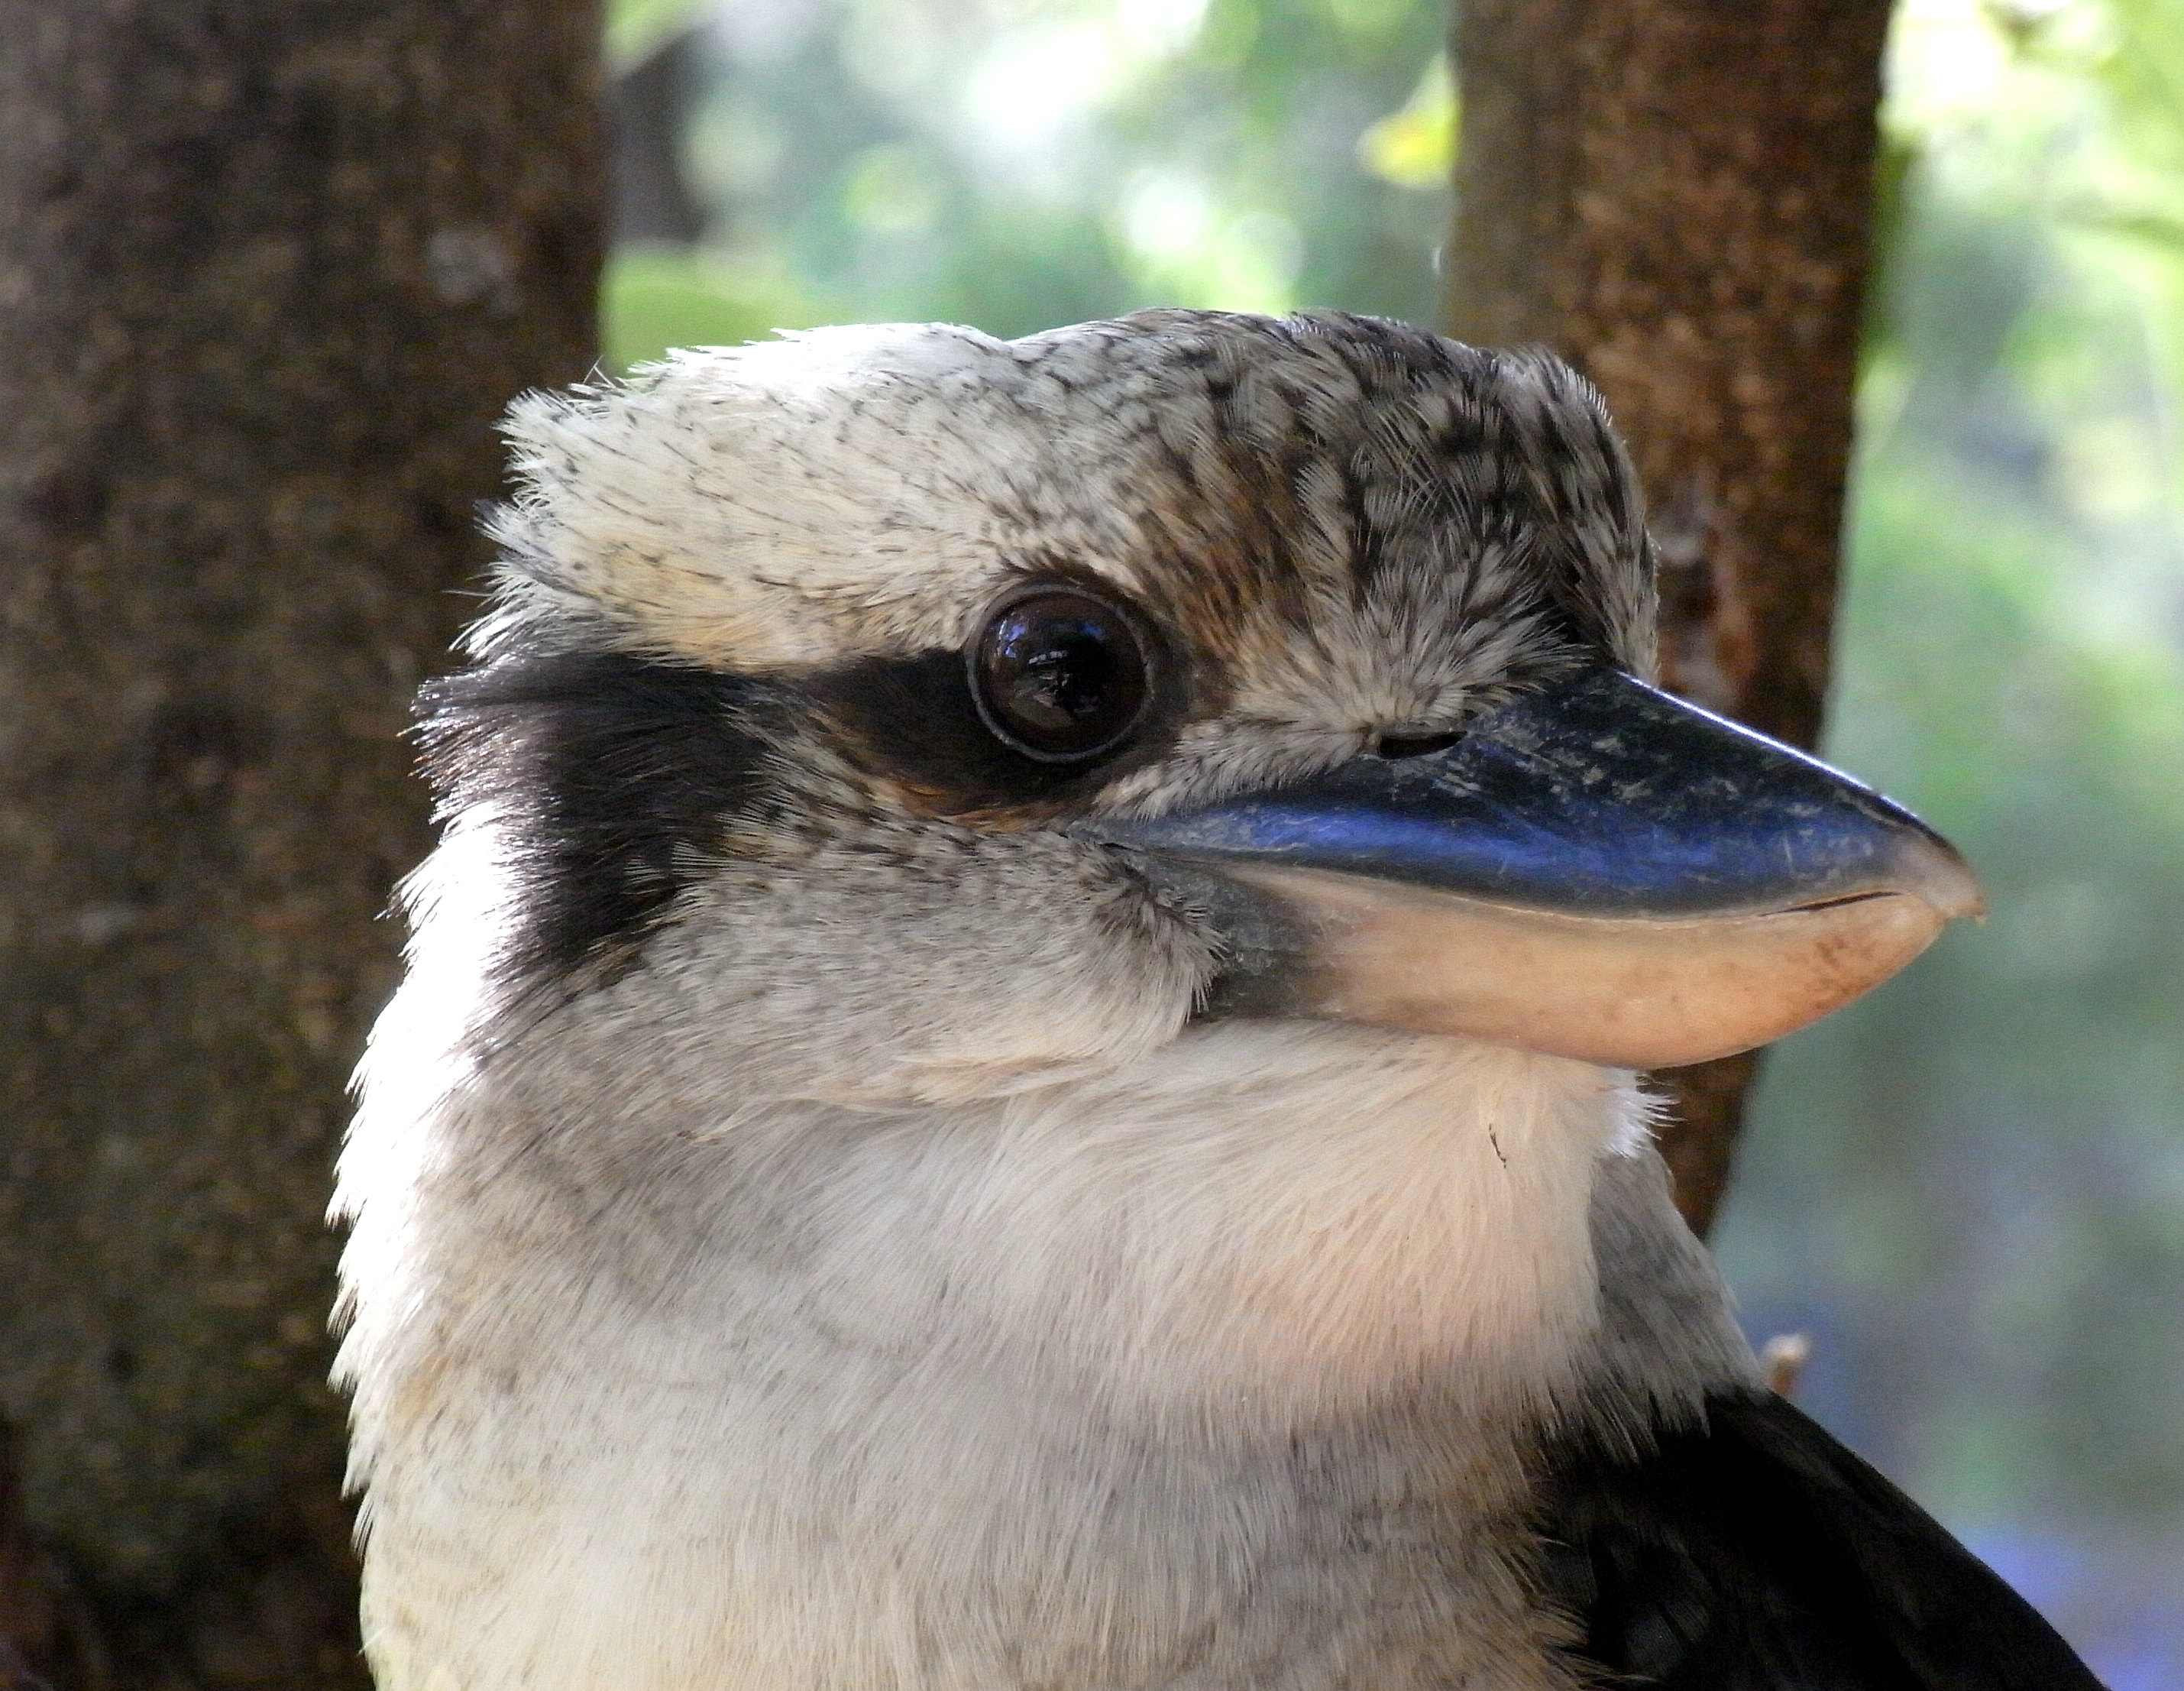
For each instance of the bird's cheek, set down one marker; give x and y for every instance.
(1056, 989)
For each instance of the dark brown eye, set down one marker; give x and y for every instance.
(1059, 673)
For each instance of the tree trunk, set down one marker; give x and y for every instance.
(268, 273)
(1677, 196)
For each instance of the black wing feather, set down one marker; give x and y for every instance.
(1756, 1553)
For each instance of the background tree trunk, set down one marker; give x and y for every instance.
(1677, 196)
(268, 273)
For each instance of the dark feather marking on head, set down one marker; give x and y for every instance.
(1416, 449)
(1523, 452)
(610, 772)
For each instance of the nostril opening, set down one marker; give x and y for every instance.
(1414, 745)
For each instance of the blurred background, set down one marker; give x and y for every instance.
(1969, 1188)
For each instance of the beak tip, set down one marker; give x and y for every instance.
(1936, 872)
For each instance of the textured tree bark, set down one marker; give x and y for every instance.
(268, 273)
(1677, 195)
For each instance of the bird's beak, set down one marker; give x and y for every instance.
(1596, 870)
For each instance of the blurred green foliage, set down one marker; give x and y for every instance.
(1971, 1186)
(1971, 1183)
(657, 296)
(1019, 163)
(638, 29)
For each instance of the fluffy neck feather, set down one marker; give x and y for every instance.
(1208, 1360)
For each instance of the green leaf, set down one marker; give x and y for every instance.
(1415, 146)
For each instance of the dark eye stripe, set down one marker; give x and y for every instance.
(616, 774)
(917, 719)
(607, 769)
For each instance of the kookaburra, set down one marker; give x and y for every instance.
(1018, 1070)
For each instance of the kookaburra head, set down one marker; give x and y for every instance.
(1017, 1063)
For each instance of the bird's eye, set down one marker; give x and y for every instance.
(1059, 673)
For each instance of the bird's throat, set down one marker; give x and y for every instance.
(1108, 1367)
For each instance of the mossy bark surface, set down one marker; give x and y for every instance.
(269, 271)
(1677, 196)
